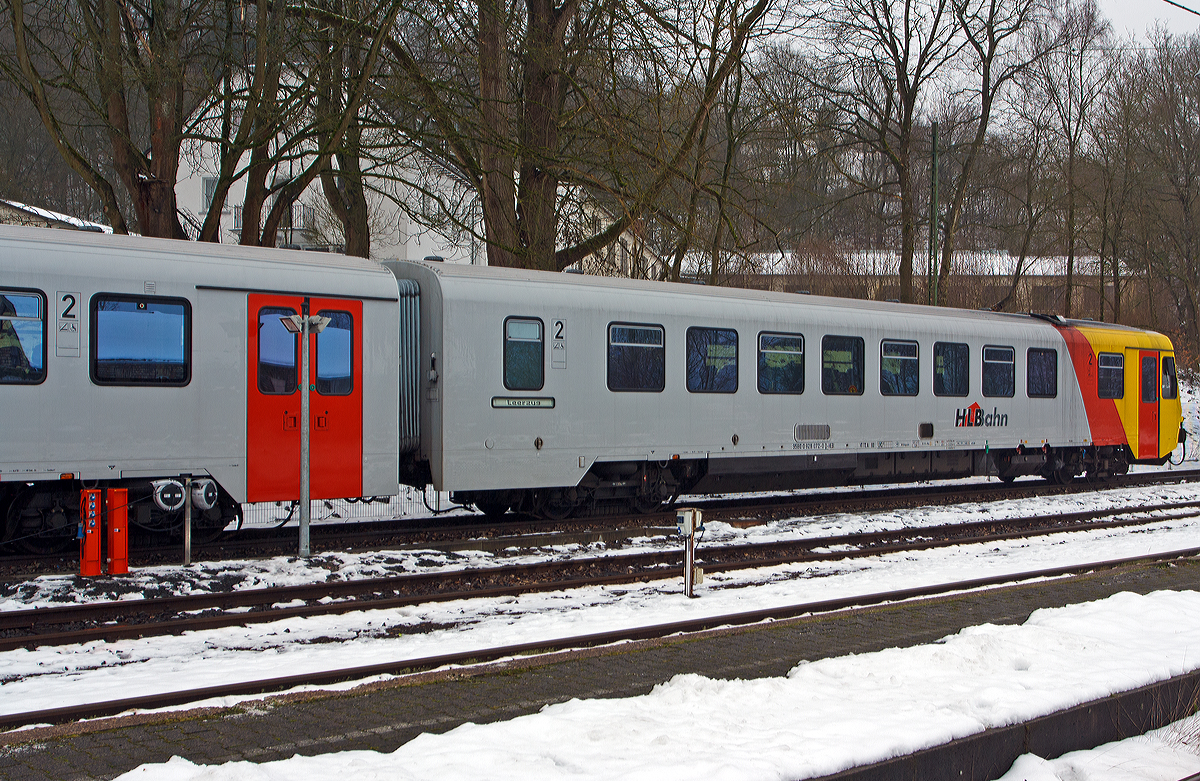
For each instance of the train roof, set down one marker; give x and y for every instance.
(178, 250)
(460, 271)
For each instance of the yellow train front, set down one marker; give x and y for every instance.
(1130, 389)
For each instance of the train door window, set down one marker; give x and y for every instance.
(1149, 379)
(899, 368)
(712, 360)
(1110, 376)
(1041, 377)
(780, 363)
(22, 337)
(1170, 383)
(951, 369)
(999, 371)
(636, 357)
(524, 354)
(842, 365)
(277, 347)
(335, 355)
(141, 340)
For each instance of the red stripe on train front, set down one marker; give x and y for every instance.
(1103, 418)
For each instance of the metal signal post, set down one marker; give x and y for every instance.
(305, 324)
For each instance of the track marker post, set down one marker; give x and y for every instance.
(688, 522)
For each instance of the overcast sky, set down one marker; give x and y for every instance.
(1134, 17)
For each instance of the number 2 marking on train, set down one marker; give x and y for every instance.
(67, 314)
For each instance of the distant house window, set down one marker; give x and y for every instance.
(210, 192)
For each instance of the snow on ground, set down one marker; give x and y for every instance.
(52, 677)
(821, 718)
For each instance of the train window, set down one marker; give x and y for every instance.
(1110, 376)
(524, 354)
(1149, 379)
(22, 337)
(335, 355)
(1041, 376)
(999, 371)
(712, 360)
(842, 359)
(951, 369)
(277, 349)
(1170, 383)
(636, 357)
(141, 340)
(780, 363)
(899, 370)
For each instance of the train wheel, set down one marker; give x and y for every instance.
(43, 523)
(552, 504)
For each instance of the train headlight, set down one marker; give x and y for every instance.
(168, 495)
(204, 494)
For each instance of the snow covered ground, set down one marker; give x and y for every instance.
(807, 723)
(822, 717)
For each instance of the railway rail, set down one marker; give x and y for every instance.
(115, 620)
(479, 656)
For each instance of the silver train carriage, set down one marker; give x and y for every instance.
(133, 362)
(559, 393)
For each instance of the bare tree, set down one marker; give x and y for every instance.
(890, 53)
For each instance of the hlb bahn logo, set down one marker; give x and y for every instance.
(974, 416)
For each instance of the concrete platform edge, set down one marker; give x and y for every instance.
(990, 754)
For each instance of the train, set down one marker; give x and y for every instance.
(151, 364)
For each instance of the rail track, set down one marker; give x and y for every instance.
(479, 656)
(115, 620)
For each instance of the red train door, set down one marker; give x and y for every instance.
(273, 400)
(1148, 404)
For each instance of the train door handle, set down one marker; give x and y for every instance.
(322, 421)
(290, 422)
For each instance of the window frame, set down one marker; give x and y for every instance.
(967, 371)
(760, 364)
(317, 354)
(883, 391)
(94, 341)
(1120, 374)
(862, 365)
(1173, 375)
(608, 355)
(541, 342)
(1029, 375)
(983, 377)
(1155, 386)
(688, 359)
(45, 318)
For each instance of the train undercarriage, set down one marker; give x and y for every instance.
(645, 487)
(43, 517)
